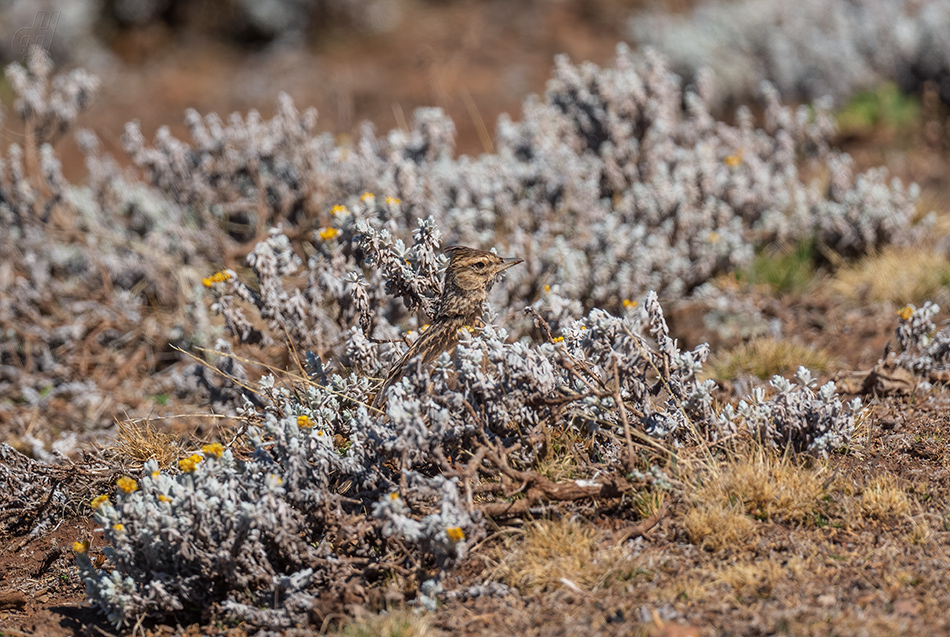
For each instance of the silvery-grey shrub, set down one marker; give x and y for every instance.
(808, 49)
(266, 530)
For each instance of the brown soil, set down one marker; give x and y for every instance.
(40, 589)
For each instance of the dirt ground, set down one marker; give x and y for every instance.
(856, 568)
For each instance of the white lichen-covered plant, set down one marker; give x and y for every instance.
(616, 188)
(808, 49)
(925, 350)
(616, 182)
(330, 489)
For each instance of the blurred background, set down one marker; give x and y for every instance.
(354, 60)
(885, 63)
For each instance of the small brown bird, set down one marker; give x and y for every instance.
(468, 280)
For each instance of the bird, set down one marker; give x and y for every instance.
(468, 279)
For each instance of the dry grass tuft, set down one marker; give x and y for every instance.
(752, 579)
(766, 357)
(139, 442)
(920, 532)
(752, 484)
(895, 275)
(715, 525)
(766, 485)
(548, 552)
(401, 623)
(882, 498)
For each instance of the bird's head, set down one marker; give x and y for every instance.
(474, 270)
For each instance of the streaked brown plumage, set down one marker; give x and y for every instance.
(468, 280)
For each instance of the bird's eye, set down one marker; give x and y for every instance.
(479, 265)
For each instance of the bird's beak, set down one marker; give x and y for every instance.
(507, 263)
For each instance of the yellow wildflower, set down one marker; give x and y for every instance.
(81, 547)
(714, 237)
(424, 327)
(328, 233)
(393, 201)
(905, 313)
(156, 474)
(189, 464)
(367, 197)
(455, 533)
(303, 421)
(128, 485)
(98, 501)
(217, 277)
(628, 303)
(118, 527)
(558, 339)
(215, 449)
(339, 210)
(394, 495)
(547, 288)
(163, 498)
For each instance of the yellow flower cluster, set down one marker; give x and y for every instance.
(81, 547)
(558, 339)
(98, 501)
(367, 197)
(304, 422)
(189, 464)
(733, 160)
(118, 527)
(628, 303)
(328, 233)
(455, 533)
(215, 449)
(163, 498)
(393, 201)
(217, 277)
(127, 485)
(339, 209)
(905, 313)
